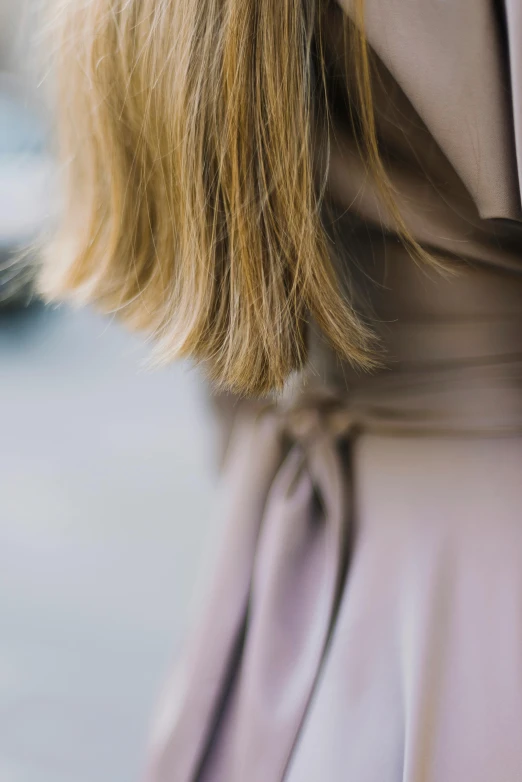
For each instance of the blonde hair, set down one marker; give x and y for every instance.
(190, 129)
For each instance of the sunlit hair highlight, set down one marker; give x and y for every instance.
(190, 130)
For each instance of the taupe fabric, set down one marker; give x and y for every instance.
(365, 621)
(451, 60)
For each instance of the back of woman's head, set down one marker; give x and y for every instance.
(190, 130)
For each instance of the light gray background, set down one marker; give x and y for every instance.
(106, 504)
(106, 499)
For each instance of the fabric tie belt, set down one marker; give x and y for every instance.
(285, 538)
(250, 669)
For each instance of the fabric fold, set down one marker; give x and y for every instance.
(295, 585)
(449, 59)
(513, 15)
(278, 587)
(255, 454)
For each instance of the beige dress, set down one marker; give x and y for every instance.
(365, 621)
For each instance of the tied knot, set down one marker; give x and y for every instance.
(316, 415)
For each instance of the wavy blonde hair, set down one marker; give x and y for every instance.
(190, 129)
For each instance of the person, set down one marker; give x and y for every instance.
(320, 203)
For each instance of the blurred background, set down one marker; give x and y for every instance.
(106, 490)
